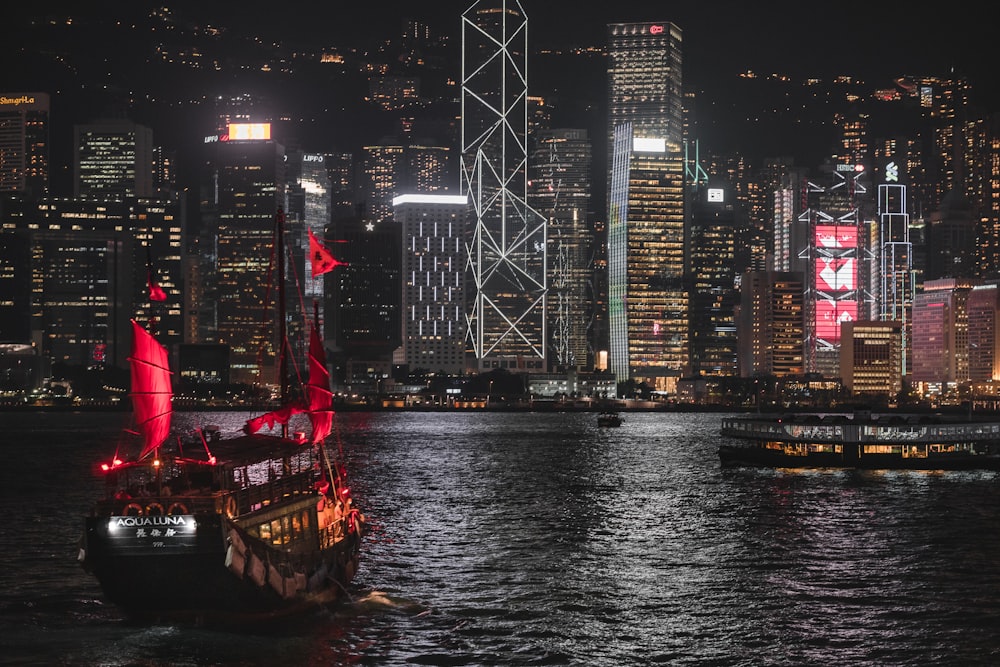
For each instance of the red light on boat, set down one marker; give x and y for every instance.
(345, 491)
(105, 467)
(156, 463)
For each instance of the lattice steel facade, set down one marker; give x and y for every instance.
(507, 246)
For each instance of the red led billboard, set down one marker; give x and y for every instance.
(830, 314)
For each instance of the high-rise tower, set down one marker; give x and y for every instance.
(113, 158)
(24, 143)
(560, 189)
(245, 185)
(648, 303)
(507, 246)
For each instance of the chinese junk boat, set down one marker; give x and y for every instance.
(861, 440)
(222, 530)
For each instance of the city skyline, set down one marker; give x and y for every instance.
(86, 78)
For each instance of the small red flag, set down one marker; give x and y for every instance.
(322, 260)
(156, 293)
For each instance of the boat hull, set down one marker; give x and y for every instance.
(735, 456)
(861, 440)
(190, 576)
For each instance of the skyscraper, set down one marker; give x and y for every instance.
(507, 246)
(24, 143)
(307, 210)
(392, 168)
(244, 187)
(648, 303)
(112, 158)
(713, 221)
(560, 189)
(433, 281)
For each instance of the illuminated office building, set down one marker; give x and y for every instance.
(24, 143)
(647, 299)
(507, 246)
(343, 181)
(771, 324)
(559, 189)
(307, 209)
(433, 280)
(871, 358)
(838, 246)
(895, 267)
(940, 335)
(244, 187)
(363, 301)
(112, 159)
(83, 275)
(983, 309)
(712, 227)
(390, 169)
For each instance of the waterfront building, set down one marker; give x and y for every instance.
(839, 238)
(81, 271)
(506, 248)
(871, 358)
(364, 297)
(713, 221)
(983, 308)
(433, 281)
(559, 189)
(771, 324)
(24, 143)
(940, 338)
(647, 299)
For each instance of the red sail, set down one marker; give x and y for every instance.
(151, 392)
(280, 416)
(318, 390)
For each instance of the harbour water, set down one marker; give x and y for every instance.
(541, 539)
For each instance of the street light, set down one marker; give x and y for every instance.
(489, 393)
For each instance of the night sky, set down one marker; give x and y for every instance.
(87, 66)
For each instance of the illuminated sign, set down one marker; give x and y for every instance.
(429, 199)
(656, 29)
(835, 274)
(836, 236)
(312, 157)
(151, 533)
(249, 131)
(16, 101)
(716, 194)
(649, 145)
(891, 172)
(830, 314)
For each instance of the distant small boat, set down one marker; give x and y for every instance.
(860, 440)
(609, 419)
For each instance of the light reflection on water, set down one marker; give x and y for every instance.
(533, 538)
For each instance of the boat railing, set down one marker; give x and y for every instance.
(257, 496)
(860, 433)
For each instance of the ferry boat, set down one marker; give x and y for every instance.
(861, 439)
